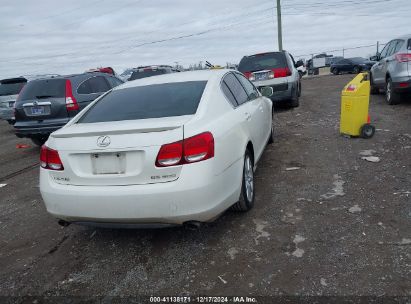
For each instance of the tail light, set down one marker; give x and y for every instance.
(50, 159)
(281, 72)
(190, 150)
(71, 102)
(403, 57)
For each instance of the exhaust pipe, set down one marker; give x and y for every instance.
(63, 223)
(192, 225)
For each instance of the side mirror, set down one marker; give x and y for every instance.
(299, 63)
(267, 91)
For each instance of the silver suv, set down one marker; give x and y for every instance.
(392, 73)
(277, 70)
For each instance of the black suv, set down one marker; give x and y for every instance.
(152, 70)
(45, 105)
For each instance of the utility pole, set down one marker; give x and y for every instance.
(280, 34)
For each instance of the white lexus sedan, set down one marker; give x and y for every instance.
(173, 149)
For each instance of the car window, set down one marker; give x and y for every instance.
(236, 88)
(248, 86)
(262, 62)
(409, 44)
(93, 85)
(43, 88)
(150, 101)
(11, 87)
(114, 81)
(399, 45)
(228, 94)
(391, 49)
(385, 49)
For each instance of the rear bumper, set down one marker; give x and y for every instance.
(402, 85)
(194, 196)
(281, 92)
(37, 128)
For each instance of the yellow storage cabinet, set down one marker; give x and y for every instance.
(355, 99)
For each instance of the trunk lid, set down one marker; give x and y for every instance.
(116, 153)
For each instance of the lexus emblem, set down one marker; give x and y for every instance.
(103, 141)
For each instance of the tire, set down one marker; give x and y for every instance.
(391, 97)
(295, 102)
(373, 89)
(356, 70)
(271, 138)
(39, 141)
(335, 71)
(367, 131)
(246, 201)
(299, 89)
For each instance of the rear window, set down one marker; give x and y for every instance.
(409, 44)
(11, 87)
(146, 73)
(152, 101)
(44, 88)
(262, 62)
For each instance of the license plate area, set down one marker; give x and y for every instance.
(108, 163)
(261, 76)
(37, 110)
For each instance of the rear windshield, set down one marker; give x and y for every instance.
(44, 88)
(11, 87)
(147, 73)
(262, 62)
(152, 101)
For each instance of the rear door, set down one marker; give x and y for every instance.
(381, 67)
(42, 100)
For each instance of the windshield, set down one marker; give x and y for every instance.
(12, 88)
(262, 62)
(143, 102)
(43, 89)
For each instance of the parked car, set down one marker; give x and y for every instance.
(393, 70)
(9, 89)
(276, 70)
(45, 105)
(351, 65)
(182, 146)
(108, 70)
(152, 70)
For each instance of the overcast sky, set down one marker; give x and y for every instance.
(50, 36)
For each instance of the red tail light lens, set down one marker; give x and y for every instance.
(281, 72)
(170, 154)
(71, 102)
(189, 150)
(199, 147)
(403, 57)
(50, 159)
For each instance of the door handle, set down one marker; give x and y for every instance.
(247, 116)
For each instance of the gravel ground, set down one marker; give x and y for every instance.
(337, 225)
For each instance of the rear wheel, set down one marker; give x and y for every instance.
(295, 101)
(356, 70)
(39, 141)
(335, 71)
(391, 97)
(246, 201)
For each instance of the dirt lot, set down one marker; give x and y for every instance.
(338, 225)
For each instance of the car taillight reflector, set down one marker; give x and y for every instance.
(71, 102)
(170, 154)
(50, 159)
(403, 57)
(199, 147)
(190, 150)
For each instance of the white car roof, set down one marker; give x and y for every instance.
(201, 75)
